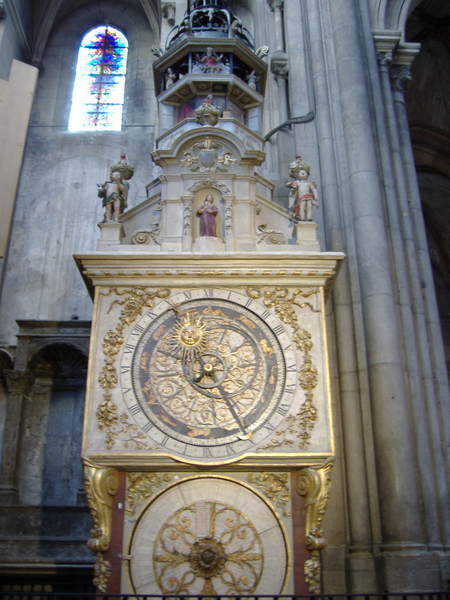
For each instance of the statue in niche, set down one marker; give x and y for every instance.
(171, 78)
(207, 113)
(303, 193)
(114, 191)
(207, 213)
(210, 62)
(251, 80)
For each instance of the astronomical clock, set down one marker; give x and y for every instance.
(208, 434)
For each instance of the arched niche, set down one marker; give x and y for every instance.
(6, 363)
(50, 471)
(391, 14)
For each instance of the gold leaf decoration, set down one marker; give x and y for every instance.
(102, 572)
(142, 486)
(314, 485)
(115, 425)
(297, 429)
(101, 485)
(275, 486)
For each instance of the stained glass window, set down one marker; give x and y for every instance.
(97, 99)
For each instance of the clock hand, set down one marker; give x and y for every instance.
(232, 410)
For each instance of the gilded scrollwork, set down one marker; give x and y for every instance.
(143, 486)
(102, 572)
(314, 485)
(296, 429)
(275, 486)
(208, 544)
(114, 424)
(101, 485)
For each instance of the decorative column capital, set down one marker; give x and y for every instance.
(400, 75)
(42, 385)
(275, 4)
(16, 381)
(384, 59)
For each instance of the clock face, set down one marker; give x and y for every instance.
(208, 377)
(208, 535)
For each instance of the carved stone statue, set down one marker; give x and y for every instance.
(303, 193)
(207, 113)
(207, 216)
(114, 191)
(171, 78)
(210, 62)
(251, 80)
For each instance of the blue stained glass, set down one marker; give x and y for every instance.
(99, 87)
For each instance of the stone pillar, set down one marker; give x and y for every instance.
(34, 439)
(16, 383)
(432, 418)
(400, 73)
(400, 507)
(355, 436)
(276, 6)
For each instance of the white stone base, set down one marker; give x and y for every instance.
(208, 244)
(110, 235)
(307, 236)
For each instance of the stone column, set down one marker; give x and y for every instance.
(400, 507)
(432, 412)
(34, 439)
(16, 383)
(361, 504)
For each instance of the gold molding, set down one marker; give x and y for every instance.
(101, 486)
(109, 420)
(314, 485)
(296, 428)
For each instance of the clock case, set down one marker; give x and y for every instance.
(131, 292)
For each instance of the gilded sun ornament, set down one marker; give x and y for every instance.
(190, 336)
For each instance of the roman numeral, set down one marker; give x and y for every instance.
(290, 388)
(126, 390)
(124, 369)
(248, 303)
(269, 426)
(138, 329)
(151, 314)
(266, 314)
(134, 409)
(209, 293)
(207, 452)
(147, 427)
(279, 329)
(128, 348)
(283, 409)
(187, 295)
(164, 441)
(291, 368)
